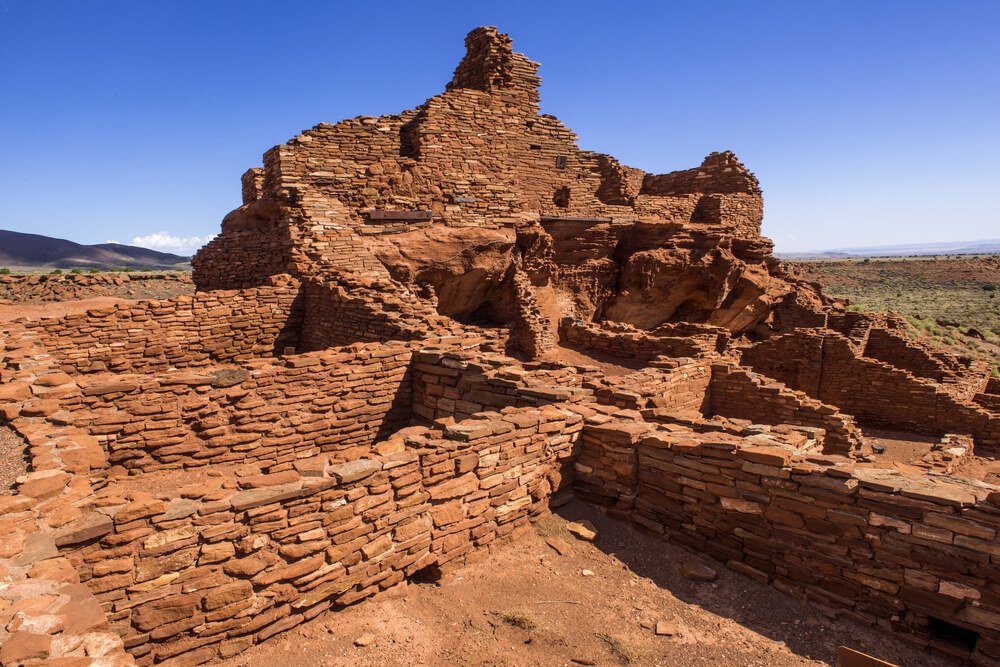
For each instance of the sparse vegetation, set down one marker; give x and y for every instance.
(626, 652)
(4, 271)
(56, 272)
(518, 619)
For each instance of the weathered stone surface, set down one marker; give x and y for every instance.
(695, 569)
(354, 471)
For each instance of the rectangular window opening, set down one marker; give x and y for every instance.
(953, 634)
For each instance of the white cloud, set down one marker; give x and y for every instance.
(167, 242)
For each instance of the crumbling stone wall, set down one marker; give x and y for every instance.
(621, 340)
(451, 384)
(828, 366)
(61, 287)
(954, 371)
(737, 392)
(350, 311)
(206, 576)
(186, 331)
(272, 412)
(890, 549)
(989, 398)
(667, 387)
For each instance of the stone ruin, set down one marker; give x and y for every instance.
(422, 332)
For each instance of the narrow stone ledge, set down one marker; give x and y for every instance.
(245, 500)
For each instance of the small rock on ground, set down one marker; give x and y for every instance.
(365, 639)
(697, 570)
(583, 530)
(560, 546)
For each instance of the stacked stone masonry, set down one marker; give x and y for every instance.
(423, 331)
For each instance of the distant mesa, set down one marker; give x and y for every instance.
(27, 251)
(984, 247)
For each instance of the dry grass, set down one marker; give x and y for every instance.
(552, 526)
(626, 652)
(518, 619)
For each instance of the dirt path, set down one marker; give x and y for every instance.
(605, 618)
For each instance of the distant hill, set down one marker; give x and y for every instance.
(19, 250)
(985, 247)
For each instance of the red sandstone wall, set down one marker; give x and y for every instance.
(963, 375)
(206, 577)
(827, 367)
(341, 314)
(890, 549)
(668, 385)
(620, 340)
(274, 412)
(185, 331)
(458, 385)
(63, 287)
(739, 393)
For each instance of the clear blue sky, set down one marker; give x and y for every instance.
(868, 122)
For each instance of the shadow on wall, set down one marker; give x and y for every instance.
(290, 334)
(400, 411)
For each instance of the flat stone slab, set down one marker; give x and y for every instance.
(245, 500)
(352, 471)
(88, 527)
(37, 546)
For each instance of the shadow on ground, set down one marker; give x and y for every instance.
(804, 629)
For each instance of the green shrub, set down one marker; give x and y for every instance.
(56, 272)
(4, 271)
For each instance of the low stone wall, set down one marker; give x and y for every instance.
(456, 384)
(670, 385)
(896, 550)
(827, 366)
(740, 393)
(186, 331)
(341, 314)
(620, 340)
(962, 374)
(269, 411)
(208, 574)
(989, 398)
(67, 286)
